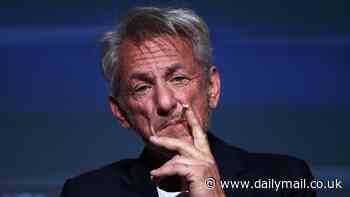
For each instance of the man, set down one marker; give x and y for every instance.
(164, 85)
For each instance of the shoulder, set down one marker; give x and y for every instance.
(283, 166)
(93, 182)
(234, 161)
(114, 170)
(268, 169)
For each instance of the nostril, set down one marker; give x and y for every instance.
(166, 108)
(163, 112)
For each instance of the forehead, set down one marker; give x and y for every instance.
(157, 51)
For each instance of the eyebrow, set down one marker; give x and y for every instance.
(146, 76)
(173, 68)
(140, 76)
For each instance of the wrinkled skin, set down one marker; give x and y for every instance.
(165, 96)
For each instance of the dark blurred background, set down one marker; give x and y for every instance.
(284, 68)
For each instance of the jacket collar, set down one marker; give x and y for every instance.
(231, 160)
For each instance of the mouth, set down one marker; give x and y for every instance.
(171, 123)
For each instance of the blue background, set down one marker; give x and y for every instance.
(285, 77)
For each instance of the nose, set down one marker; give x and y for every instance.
(165, 101)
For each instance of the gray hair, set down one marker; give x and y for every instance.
(146, 22)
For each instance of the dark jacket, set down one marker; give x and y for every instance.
(131, 178)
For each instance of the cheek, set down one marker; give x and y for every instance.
(200, 108)
(140, 113)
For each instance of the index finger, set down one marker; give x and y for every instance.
(199, 136)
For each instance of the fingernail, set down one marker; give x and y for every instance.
(152, 172)
(153, 137)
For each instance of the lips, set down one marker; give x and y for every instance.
(167, 124)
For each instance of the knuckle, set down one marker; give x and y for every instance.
(208, 165)
(202, 170)
(197, 128)
(211, 162)
(169, 167)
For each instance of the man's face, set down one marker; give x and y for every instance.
(157, 77)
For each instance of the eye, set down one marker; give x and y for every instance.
(141, 89)
(179, 79)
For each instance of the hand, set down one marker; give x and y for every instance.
(194, 162)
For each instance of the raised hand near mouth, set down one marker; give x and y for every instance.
(194, 162)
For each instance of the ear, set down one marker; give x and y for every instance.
(214, 87)
(118, 112)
